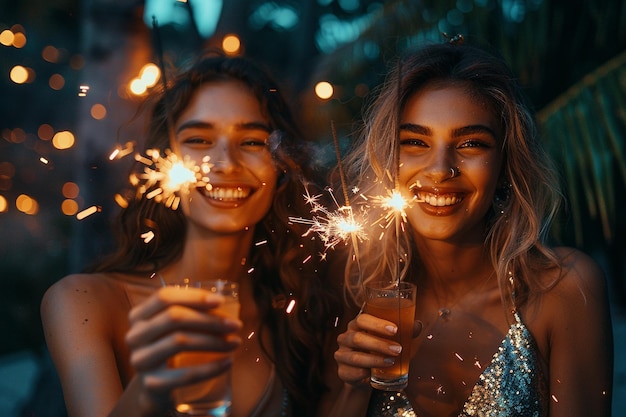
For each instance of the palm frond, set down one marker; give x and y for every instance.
(585, 130)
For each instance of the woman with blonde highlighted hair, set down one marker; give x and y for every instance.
(506, 325)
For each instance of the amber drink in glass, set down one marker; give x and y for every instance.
(212, 397)
(394, 302)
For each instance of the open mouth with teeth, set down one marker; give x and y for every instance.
(439, 200)
(227, 193)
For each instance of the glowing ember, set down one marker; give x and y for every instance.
(82, 90)
(87, 212)
(148, 236)
(120, 152)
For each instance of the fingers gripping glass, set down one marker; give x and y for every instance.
(394, 302)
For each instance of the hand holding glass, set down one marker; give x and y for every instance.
(394, 302)
(212, 397)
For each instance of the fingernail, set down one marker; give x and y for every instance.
(391, 329)
(389, 361)
(395, 348)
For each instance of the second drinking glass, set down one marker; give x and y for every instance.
(394, 302)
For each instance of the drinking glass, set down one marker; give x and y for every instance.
(395, 302)
(211, 397)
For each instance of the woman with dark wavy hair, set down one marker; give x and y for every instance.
(510, 326)
(112, 329)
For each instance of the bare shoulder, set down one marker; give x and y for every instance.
(574, 334)
(81, 299)
(581, 277)
(579, 293)
(94, 288)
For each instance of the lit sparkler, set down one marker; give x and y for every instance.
(394, 207)
(337, 226)
(166, 177)
(332, 226)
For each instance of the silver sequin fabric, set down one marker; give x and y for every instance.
(513, 385)
(389, 404)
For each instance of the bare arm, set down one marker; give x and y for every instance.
(78, 336)
(80, 316)
(581, 341)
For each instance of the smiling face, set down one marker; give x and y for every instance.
(224, 122)
(444, 128)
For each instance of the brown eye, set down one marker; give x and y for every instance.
(254, 142)
(412, 142)
(474, 143)
(196, 140)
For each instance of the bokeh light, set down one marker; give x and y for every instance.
(138, 87)
(6, 37)
(150, 74)
(98, 111)
(69, 207)
(19, 40)
(27, 204)
(324, 90)
(70, 190)
(50, 54)
(17, 135)
(19, 74)
(4, 206)
(148, 77)
(231, 44)
(45, 132)
(56, 81)
(63, 140)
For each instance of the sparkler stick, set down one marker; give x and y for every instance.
(344, 186)
(342, 175)
(396, 184)
(340, 225)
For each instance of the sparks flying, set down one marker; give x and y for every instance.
(393, 205)
(165, 178)
(332, 226)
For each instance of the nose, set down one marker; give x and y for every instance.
(224, 159)
(441, 165)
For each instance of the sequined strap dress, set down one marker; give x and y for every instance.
(513, 385)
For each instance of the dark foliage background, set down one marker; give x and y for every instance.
(569, 55)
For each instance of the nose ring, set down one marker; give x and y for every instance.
(454, 172)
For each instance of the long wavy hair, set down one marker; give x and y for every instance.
(299, 338)
(526, 202)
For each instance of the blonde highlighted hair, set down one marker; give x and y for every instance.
(518, 229)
